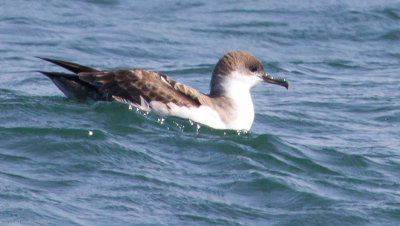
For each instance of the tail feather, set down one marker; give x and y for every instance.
(75, 88)
(52, 75)
(76, 68)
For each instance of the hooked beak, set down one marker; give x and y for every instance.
(277, 81)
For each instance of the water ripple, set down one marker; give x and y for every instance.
(323, 152)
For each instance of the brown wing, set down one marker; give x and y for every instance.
(129, 85)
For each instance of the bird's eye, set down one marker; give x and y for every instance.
(253, 68)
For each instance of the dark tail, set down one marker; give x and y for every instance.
(70, 84)
(76, 68)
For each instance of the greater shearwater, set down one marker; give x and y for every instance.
(228, 106)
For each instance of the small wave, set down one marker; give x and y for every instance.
(342, 64)
(392, 13)
(393, 35)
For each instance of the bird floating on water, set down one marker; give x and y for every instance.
(228, 106)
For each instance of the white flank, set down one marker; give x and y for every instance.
(203, 114)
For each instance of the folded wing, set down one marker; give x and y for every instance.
(134, 86)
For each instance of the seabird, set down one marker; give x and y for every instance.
(228, 106)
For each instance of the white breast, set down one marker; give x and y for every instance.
(244, 111)
(237, 88)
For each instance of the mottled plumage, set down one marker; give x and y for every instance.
(126, 85)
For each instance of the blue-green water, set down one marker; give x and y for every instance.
(325, 152)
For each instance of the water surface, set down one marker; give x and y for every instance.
(325, 152)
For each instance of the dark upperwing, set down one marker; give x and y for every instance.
(124, 85)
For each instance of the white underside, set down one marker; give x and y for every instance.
(203, 114)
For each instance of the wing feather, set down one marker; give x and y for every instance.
(130, 85)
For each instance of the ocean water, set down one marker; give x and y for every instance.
(324, 152)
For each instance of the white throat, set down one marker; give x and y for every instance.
(237, 87)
